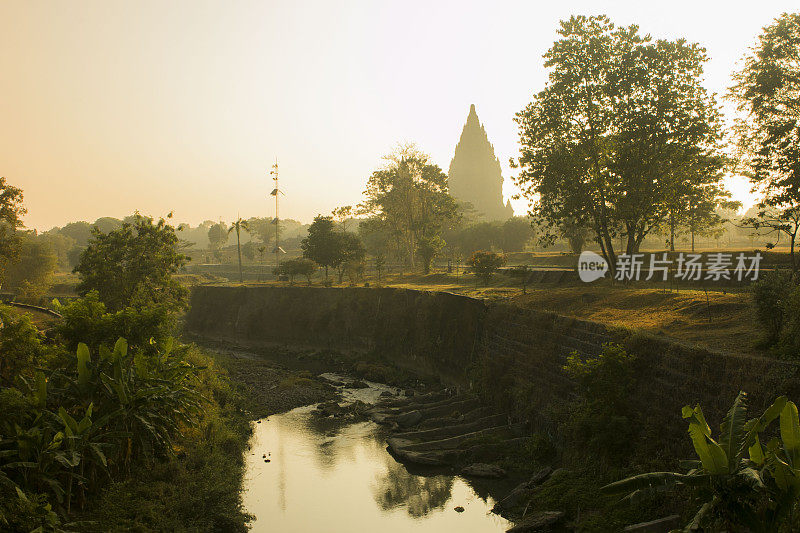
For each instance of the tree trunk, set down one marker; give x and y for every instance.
(239, 252)
(671, 231)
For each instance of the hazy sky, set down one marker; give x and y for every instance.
(107, 107)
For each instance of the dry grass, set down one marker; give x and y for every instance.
(722, 321)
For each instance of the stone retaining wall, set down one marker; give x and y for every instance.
(447, 334)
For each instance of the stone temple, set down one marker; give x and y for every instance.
(475, 176)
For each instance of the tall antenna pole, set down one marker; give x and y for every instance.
(276, 221)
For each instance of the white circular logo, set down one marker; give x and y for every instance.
(591, 266)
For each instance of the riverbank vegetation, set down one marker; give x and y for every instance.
(108, 423)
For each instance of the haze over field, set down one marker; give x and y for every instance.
(110, 107)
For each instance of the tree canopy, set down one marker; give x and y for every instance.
(767, 91)
(134, 265)
(622, 128)
(322, 245)
(409, 195)
(11, 211)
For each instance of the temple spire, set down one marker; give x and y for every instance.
(475, 176)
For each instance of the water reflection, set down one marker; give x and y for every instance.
(325, 476)
(418, 495)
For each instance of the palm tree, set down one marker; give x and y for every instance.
(261, 250)
(239, 225)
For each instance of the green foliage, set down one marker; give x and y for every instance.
(766, 92)
(427, 248)
(134, 265)
(198, 487)
(508, 236)
(329, 247)
(622, 130)
(296, 267)
(263, 228)
(777, 303)
(352, 253)
(80, 232)
(323, 245)
(603, 421)
(61, 245)
(377, 240)
(790, 339)
(21, 348)
(217, 237)
(744, 483)
(93, 420)
(11, 211)
(409, 196)
(769, 295)
(30, 274)
(87, 320)
(485, 264)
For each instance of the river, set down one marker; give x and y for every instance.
(307, 474)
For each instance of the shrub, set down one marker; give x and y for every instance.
(790, 334)
(87, 320)
(602, 420)
(485, 264)
(92, 421)
(769, 294)
(296, 267)
(21, 349)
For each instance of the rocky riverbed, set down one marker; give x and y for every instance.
(437, 445)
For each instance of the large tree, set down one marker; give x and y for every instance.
(620, 128)
(134, 265)
(323, 245)
(410, 196)
(217, 237)
(767, 91)
(11, 211)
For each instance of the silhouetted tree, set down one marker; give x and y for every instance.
(622, 121)
(239, 226)
(11, 209)
(410, 196)
(351, 256)
(766, 90)
(299, 266)
(323, 244)
(217, 237)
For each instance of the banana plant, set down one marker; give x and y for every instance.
(94, 418)
(731, 471)
(780, 460)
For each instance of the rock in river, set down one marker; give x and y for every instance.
(537, 522)
(483, 470)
